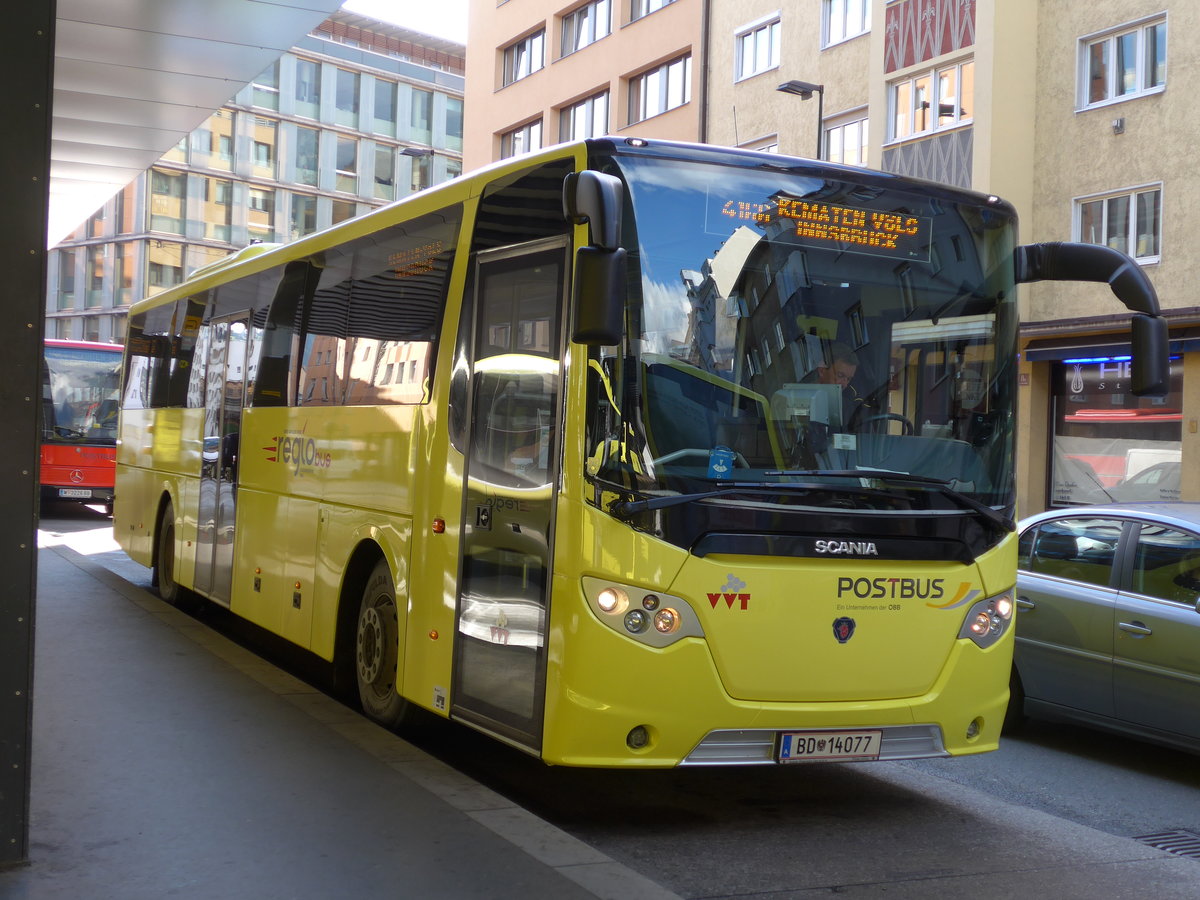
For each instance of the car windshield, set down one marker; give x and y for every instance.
(801, 326)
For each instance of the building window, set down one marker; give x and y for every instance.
(588, 118)
(586, 25)
(260, 215)
(264, 140)
(265, 88)
(421, 173)
(385, 107)
(308, 88)
(307, 155)
(95, 275)
(66, 279)
(385, 173)
(164, 266)
(454, 123)
(346, 99)
(124, 269)
(1126, 62)
(640, 8)
(931, 101)
(663, 88)
(341, 210)
(521, 140)
(212, 142)
(1129, 221)
(844, 19)
(524, 57)
(757, 49)
(304, 215)
(846, 142)
(347, 165)
(167, 193)
(421, 120)
(216, 198)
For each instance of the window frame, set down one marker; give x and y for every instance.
(585, 110)
(526, 131)
(585, 24)
(1131, 233)
(860, 118)
(831, 10)
(638, 94)
(929, 80)
(531, 49)
(639, 9)
(771, 28)
(1109, 39)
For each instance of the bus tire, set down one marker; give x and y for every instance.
(163, 576)
(377, 650)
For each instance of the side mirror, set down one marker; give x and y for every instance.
(599, 284)
(595, 198)
(1056, 261)
(599, 296)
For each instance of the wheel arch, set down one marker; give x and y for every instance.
(367, 553)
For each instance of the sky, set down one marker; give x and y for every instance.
(441, 18)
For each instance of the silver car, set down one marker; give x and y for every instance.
(1108, 620)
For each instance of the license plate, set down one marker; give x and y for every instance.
(823, 746)
(74, 493)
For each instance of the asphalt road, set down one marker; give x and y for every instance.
(1056, 806)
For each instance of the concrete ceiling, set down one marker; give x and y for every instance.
(134, 77)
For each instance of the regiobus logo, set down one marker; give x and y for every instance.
(299, 453)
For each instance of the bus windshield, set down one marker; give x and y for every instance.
(788, 329)
(80, 394)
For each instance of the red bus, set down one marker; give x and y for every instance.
(80, 385)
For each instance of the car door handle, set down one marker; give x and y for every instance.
(1025, 603)
(1135, 628)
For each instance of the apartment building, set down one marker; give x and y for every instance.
(358, 114)
(540, 72)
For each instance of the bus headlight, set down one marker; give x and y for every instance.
(648, 616)
(988, 619)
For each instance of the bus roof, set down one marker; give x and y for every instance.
(259, 257)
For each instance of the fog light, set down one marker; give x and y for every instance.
(636, 621)
(637, 738)
(666, 620)
(974, 728)
(612, 600)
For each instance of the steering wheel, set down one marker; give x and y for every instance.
(906, 425)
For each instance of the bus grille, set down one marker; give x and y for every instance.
(758, 746)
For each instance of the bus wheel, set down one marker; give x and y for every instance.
(164, 559)
(377, 648)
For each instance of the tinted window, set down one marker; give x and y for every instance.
(1081, 549)
(1167, 564)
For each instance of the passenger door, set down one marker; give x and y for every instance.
(1156, 674)
(224, 393)
(1065, 614)
(512, 471)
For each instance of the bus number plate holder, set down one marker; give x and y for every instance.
(829, 746)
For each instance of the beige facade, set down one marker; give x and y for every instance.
(551, 82)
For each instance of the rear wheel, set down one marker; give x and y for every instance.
(377, 650)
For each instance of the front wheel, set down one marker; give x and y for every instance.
(163, 576)
(377, 650)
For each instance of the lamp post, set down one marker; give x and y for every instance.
(804, 90)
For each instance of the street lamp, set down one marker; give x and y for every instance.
(418, 152)
(804, 90)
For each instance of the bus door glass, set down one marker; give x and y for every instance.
(512, 466)
(224, 389)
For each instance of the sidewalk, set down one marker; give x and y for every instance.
(169, 762)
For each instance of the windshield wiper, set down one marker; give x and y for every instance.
(942, 485)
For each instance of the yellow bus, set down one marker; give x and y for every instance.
(626, 453)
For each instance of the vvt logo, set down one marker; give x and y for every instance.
(733, 591)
